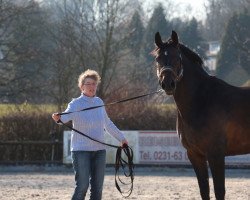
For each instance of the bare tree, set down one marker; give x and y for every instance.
(107, 29)
(88, 34)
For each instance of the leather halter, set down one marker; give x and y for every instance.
(177, 76)
(170, 68)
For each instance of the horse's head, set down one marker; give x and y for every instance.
(168, 62)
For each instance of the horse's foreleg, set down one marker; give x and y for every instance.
(217, 167)
(200, 167)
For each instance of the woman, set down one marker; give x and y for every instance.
(88, 156)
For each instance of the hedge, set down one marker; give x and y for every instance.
(26, 126)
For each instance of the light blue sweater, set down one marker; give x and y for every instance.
(90, 122)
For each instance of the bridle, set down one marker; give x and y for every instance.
(177, 77)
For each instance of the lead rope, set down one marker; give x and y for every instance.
(119, 162)
(127, 167)
(112, 103)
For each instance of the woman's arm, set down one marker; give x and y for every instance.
(65, 118)
(113, 130)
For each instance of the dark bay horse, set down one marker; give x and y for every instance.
(213, 117)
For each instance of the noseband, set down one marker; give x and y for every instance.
(170, 68)
(177, 76)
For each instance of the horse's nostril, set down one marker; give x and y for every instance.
(163, 85)
(172, 84)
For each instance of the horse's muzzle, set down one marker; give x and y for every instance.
(168, 86)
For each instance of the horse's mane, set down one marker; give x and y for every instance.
(188, 53)
(191, 54)
(185, 50)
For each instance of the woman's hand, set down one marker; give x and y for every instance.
(124, 142)
(56, 117)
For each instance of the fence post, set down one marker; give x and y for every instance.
(53, 139)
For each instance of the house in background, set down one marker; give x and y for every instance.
(237, 77)
(212, 52)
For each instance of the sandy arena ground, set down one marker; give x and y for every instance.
(149, 184)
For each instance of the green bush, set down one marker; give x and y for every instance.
(144, 117)
(23, 127)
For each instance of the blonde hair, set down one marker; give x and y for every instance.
(88, 74)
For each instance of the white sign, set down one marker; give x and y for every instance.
(161, 147)
(238, 160)
(66, 147)
(131, 136)
(152, 147)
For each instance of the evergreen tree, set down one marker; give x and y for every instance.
(136, 30)
(157, 23)
(235, 46)
(191, 37)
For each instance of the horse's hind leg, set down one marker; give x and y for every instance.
(217, 167)
(200, 167)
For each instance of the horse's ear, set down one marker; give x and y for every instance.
(158, 41)
(174, 38)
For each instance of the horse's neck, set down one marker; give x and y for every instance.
(187, 88)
